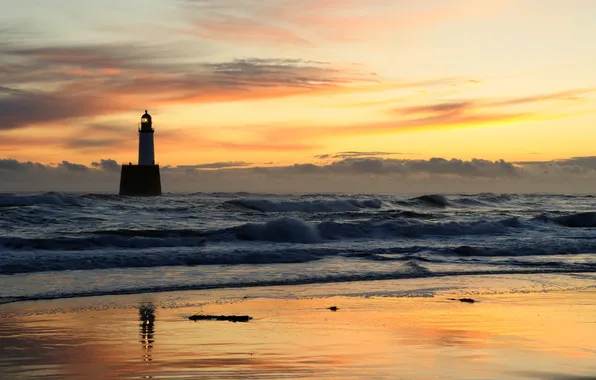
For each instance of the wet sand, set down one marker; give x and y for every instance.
(530, 334)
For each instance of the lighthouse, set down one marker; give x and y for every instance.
(142, 179)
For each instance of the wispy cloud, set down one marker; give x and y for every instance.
(217, 165)
(44, 85)
(441, 108)
(450, 114)
(306, 22)
(354, 155)
(25, 108)
(569, 95)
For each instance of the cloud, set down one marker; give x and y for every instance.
(441, 108)
(354, 154)
(356, 175)
(584, 162)
(449, 114)
(479, 111)
(467, 113)
(23, 108)
(217, 165)
(74, 167)
(568, 95)
(80, 138)
(279, 146)
(108, 165)
(56, 85)
(433, 166)
(235, 28)
(45, 85)
(85, 143)
(570, 166)
(12, 165)
(305, 23)
(553, 375)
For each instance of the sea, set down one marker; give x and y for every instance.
(63, 245)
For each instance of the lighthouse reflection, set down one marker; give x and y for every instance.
(147, 325)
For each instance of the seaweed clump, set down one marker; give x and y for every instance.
(466, 300)
(229, 318)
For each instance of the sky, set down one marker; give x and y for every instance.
(492, 92)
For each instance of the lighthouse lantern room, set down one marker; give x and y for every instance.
(146, 146)
(142, 179)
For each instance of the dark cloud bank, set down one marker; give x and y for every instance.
(348, 175)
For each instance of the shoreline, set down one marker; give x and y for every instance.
(519, 328)
(378, 277)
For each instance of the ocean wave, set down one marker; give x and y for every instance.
(536, 248)
(92, 260)
(42, 261)
(284, 230)
(279, 230)
(343, 205)
(433, 200)
(494, 198)
(13, 262)
(575, 220)
(150, 233)
(20, 200)
(92, 242)
(100, 196)
(584, 219)
(293, 230)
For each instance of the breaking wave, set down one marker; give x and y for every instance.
(266, 205)
(413, 257)
(584, 219)
(279, 230)
(17, 200)
(434, 200)
(292, 230)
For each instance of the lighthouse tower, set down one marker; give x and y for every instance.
(142, 179)
(146, 146)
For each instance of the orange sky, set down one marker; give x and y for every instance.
(284, 82)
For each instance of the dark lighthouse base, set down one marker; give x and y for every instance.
(140, 180)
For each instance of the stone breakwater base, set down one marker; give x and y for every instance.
(140, 180)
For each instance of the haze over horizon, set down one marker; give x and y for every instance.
(378, 96)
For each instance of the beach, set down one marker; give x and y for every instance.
(519, 327)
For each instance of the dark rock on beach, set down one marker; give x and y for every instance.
(229, 318)
(467, 300)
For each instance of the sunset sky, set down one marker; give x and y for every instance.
(279, 82)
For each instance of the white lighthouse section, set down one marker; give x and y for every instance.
(142, 179)
(146, 148)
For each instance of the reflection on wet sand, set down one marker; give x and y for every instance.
(147, 325)
(501, 337)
